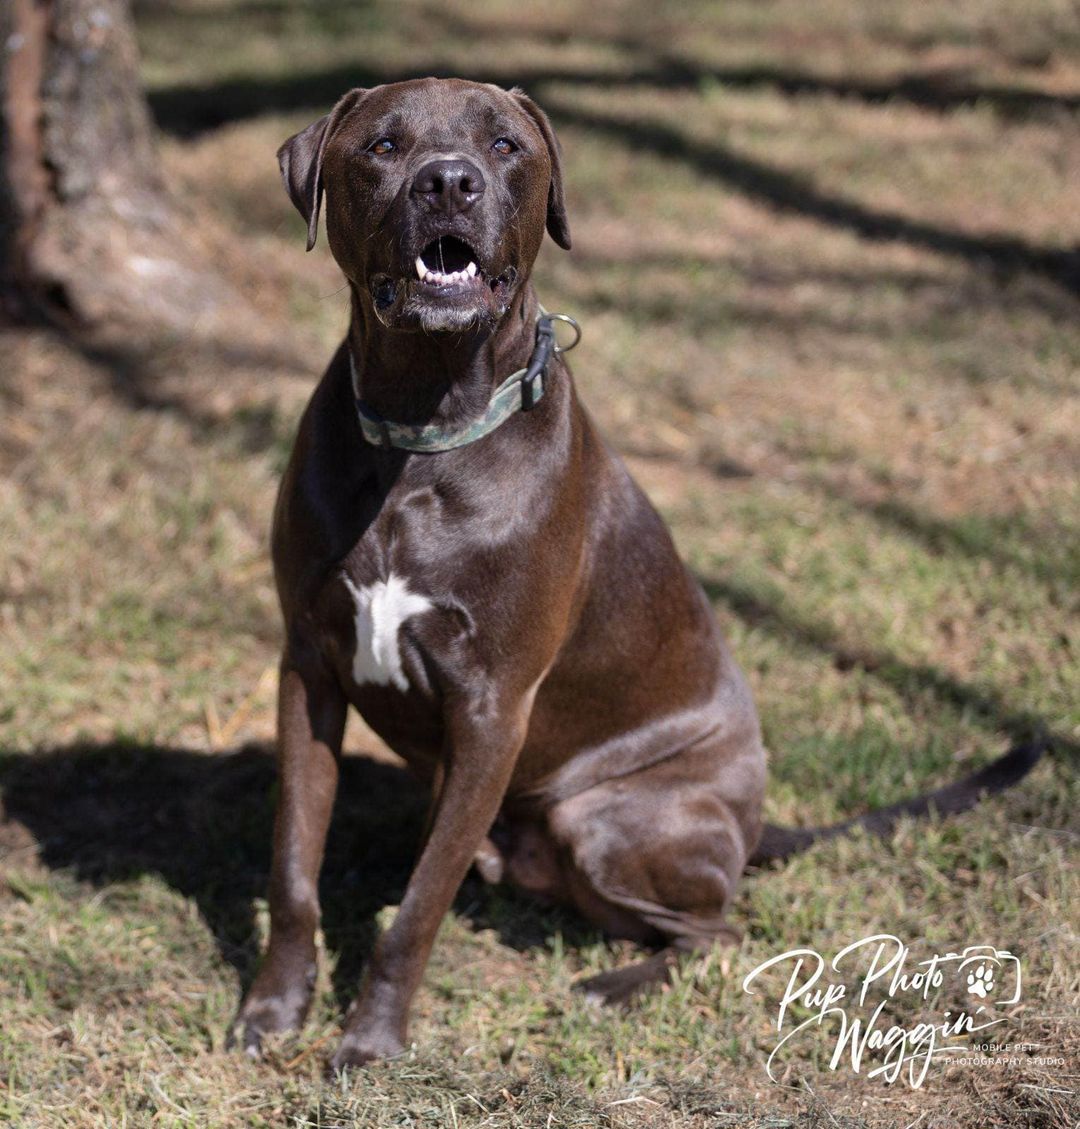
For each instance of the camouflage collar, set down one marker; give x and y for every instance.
(520, 391)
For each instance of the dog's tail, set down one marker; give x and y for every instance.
(782, 842)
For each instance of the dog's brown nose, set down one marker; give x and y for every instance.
(449, 186)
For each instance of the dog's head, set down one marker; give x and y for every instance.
(438, 192)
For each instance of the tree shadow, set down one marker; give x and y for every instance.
(912, 681)
(1007, 540)
(187, 111)
(939, 89)
(202, 823)
(797, 194)
(221, 391)
(158, 375)
(698, 308)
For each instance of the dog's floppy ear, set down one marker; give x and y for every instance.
(557, 225)
(301, 159)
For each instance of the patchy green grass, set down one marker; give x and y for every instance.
(826, 264)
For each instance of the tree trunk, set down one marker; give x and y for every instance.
(88, 231)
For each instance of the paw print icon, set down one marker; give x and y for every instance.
(985, 971)
(980, 981)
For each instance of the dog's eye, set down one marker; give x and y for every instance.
(381, 147)
(504, 146)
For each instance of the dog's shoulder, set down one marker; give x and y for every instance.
(321, 512)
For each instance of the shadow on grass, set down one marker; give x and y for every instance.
(1012, 539)
(699, 308)
(911, 681)
(1008, 540)
(188, 111)
(203, 823)
(798, 194)
(143, 375)
(939, 89)
(936, 89)
(846, 327)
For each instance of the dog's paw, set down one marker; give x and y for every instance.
(358, 1050)
(261, 1015)
(251, 1024)
(245, 1036)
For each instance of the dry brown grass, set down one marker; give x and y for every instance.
(821, 258)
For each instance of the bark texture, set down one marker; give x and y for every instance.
(88, 230)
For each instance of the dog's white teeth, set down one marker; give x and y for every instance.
(445, 278)
(421, 269)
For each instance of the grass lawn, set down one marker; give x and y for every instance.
(827, 262)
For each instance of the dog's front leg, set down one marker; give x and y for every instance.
(479, 752)
(311, 722)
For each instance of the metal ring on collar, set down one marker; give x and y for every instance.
(573, 325)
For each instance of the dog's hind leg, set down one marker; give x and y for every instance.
(656, 856)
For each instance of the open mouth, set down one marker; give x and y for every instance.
(448, 261)
(446, 276)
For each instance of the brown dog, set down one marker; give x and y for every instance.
(464, 560)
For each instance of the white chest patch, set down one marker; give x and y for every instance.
(381, 609)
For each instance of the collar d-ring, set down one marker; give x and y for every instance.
(573, 325)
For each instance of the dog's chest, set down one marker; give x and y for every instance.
(379, 611)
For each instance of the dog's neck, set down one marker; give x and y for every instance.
(438, 378)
